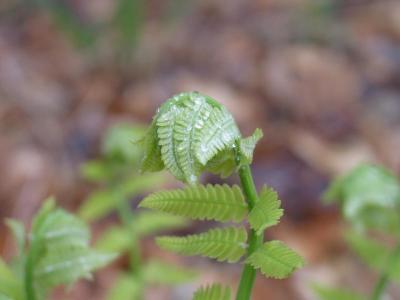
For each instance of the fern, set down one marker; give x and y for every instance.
(223, 244)
(219, 133)
(186, 133)
(266, 212)
(191, 134)
(328, 293)
(212, 292)
(58, 253)
(210, 202)
(247, 145)
(157, 272)
(275, 260)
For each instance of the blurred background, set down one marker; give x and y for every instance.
(320, 77)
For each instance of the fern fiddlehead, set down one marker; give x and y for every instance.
(191, 134)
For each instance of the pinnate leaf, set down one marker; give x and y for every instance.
(247, 145)
(223, 244)
(157, 272)
(328, 293)
(213, 292)
(275, 260)
(267, 211)
(210, 202)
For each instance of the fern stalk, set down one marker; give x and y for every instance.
(126, 216)
(249, 189)
(383, 280)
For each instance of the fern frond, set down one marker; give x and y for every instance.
(59, 252)
(219, 133)
(275, 260)
(222, 164)
(188, 131)
(150, 222)
(152, 161)
(247, 145)
(266, 212)
(158, 272)
(68, 264)
(210, 202)
(126, 287)
(213, 292)
(18, 231)
(223, 244)
(328, 293)
(10, 285)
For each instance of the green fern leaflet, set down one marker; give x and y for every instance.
(223, 244)
(210, 202)
(275, 260)
(266, 212)
(213, 292)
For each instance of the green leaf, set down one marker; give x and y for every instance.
(210, 202)
(223, 244)
(68, 264)
(370, 197)
(96, 171)
(118, 143)
(218, 134)
(222, 164)
(59, 252)
(149, 222)
(213, 292)
(157, 272)
(247, 145)
(266, 212)
(126, 287)
(374, 253)
(115, 239)
(328, 293)
(102, 202)
(19, 233)
(275, 260)
(10, 286)
(187, 132)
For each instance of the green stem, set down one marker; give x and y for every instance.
(249, 273)
(383, 280)
(126, 216)
(29, 267)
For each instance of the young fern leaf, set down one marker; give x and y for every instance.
(223, 244)
(59, 251)
(218, 134)
(68, 264)
(247, 145)
(213, 292)
(222, 164)
(158, 272)
(210, 202)
(275, 260)
(187, 132)
(328, 293)
(266, 212)
(152, 161)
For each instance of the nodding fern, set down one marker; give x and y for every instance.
(58, 253)
(191, 134)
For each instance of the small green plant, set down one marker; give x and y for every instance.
(117, 174)
(190, 134)
(369, 197)
(56, 252)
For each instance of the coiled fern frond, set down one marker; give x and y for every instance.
(188, 131)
